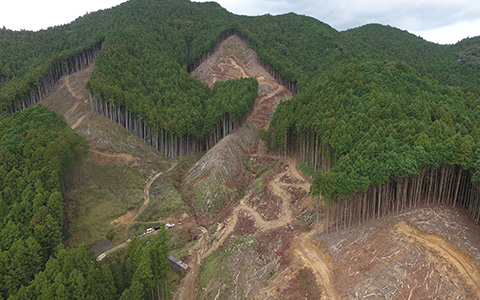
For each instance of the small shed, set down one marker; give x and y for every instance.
(177, 264)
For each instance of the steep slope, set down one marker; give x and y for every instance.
(96, 194)
(225, 166)
(222, 174)
(425, 253)
(232, 245)
(397, 135)
(383, 138)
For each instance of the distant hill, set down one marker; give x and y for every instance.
(385, 120)
(145, 48)
(455, 65)
(140, 77)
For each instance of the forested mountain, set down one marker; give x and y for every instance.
(455, 65)
(37, 149)
(381, 122)
(386, 119)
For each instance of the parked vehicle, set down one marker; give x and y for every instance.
(168, 225)
(156, 227)
(150, 230)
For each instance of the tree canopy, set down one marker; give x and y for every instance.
(147, 45)
(382, 119)
(373, 103)
(37, 148)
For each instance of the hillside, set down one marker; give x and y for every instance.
(112, 150)
(224, 173)
(454, 65)
(295, 160)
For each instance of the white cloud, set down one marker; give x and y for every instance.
(450, 34)
(36, 15)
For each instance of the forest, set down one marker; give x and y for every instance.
(146, 48)
(387, 121)
(383, 138)
(37, 150)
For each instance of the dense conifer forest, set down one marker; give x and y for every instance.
(384, 138)
(37, 150)
(387, 120)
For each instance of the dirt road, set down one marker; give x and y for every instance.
(73, 115)
(188, 287)
(271, 93)
(111, 250)
(307, 253)
(316, 257)
(130, 218)
(201, 250)
(146, 191)
(447, 251)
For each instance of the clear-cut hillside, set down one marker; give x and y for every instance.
(222, 174)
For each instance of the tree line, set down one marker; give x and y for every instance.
(37, 151)
(294, 48)
(383, 138)
(140, 78)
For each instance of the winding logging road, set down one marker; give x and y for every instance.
(141, 208)
(313, 257)
(308, 254)
(464, 264)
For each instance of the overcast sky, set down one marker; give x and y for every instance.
(440, 21)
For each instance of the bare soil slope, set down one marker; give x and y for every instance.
(237, 259)
(223, 174)
(107, 140)
(427, 253)
(263, 250)
(258, 244)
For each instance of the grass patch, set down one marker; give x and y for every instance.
(181, 252)
(213, 230)
(218, 266)
(259, 186)
(107, 193)
(173, 280)
(177, 242)
(307, 284)
(264, 168)
(165, 201)
(211, 199)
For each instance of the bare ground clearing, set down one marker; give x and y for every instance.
(222, 173)
(98, 194)
(425, 253)
(228, 65)
(422, 254)
(387, 260)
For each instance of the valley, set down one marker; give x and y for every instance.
(288, 160)
(273, 209)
